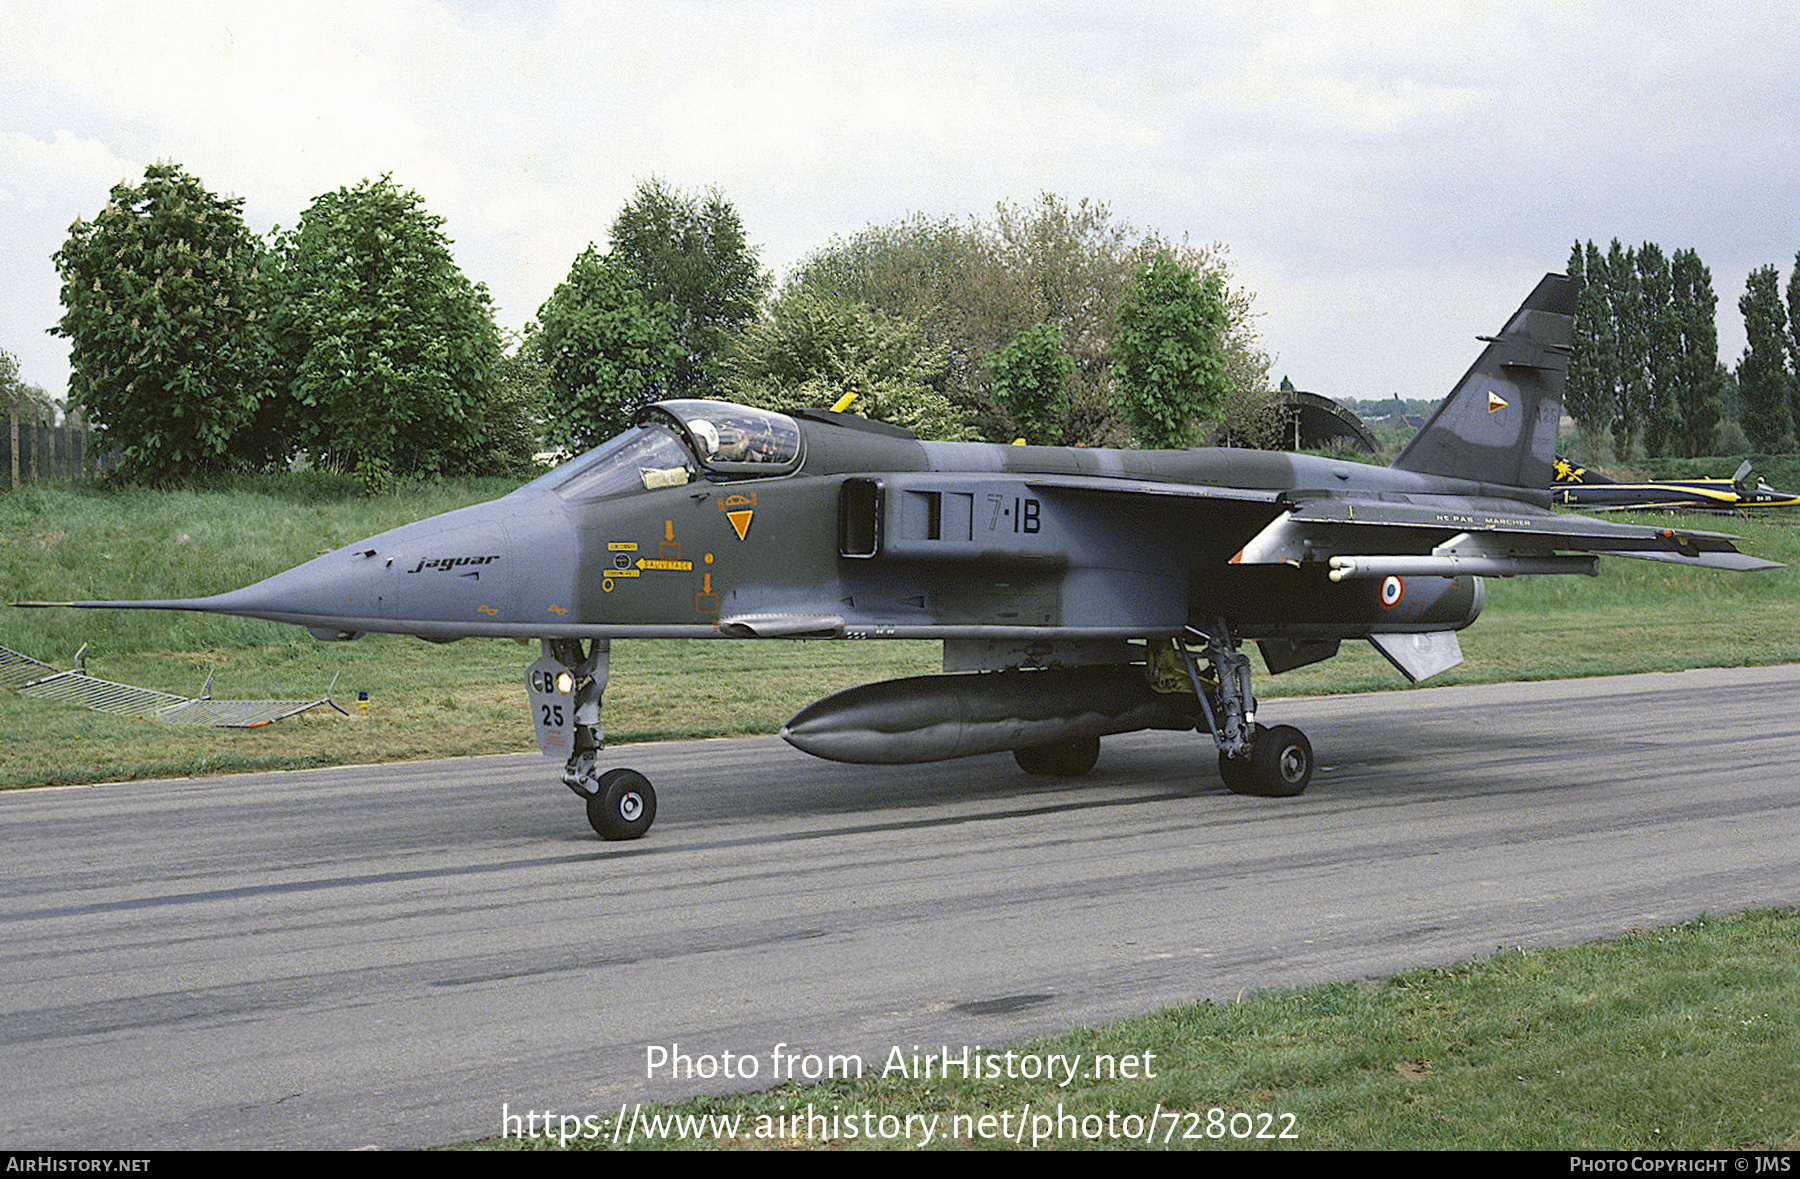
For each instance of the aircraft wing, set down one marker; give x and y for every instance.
(1427, 534)
(1449, 536)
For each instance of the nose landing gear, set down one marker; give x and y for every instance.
(565, 687)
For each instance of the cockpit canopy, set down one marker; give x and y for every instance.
(733, 440)
(675, 442)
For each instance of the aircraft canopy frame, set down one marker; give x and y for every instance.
(732, 441)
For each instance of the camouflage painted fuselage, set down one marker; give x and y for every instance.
(872, 534)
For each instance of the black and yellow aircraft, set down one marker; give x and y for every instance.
(1583, 487)
(1078, 592)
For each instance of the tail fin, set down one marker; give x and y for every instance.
(1569, 471)
(1499, 424)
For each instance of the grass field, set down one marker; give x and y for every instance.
(1665, 1039)
(67, 541)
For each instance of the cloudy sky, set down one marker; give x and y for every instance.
(1390, 178)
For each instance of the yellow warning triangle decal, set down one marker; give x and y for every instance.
(1494, 401)
(739, 521)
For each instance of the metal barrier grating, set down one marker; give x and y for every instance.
(32, 677)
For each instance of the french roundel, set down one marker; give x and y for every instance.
(1392, 590)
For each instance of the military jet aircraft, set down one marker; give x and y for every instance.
(1078, 592)
(1584, 487)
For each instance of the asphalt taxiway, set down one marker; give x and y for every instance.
(398, 955)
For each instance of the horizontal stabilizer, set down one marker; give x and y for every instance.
(1448, 536)
(1734, 561)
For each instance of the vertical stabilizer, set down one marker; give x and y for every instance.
(1499, 423)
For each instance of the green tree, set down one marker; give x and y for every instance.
(1624, 293)
(1662, 348)
(944, 279)
(1763, 376)
(388, 349)
(1793, 341)
(690, 257)
(1172, 367)
(163, 296)
(608, 351)
(973, 289)
(1699, 376)
(1588, 394)
(520, 401)
(15, 392)
(813, 349)
(1031, 378)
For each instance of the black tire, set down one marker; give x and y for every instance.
(1281, 764)
(623, 807)
(1066, 759)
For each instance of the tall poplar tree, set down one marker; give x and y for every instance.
(1588, 392)
(1763, 377)
(1631, 393)
(1645, 354)
(1662, 346)
(1699, 377)
(1793, 341)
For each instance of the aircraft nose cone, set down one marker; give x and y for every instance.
(502, 567)
(445, 571)
(338, 595)
(451, 576)
(505, 568)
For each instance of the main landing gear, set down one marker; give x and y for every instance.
(565, 688)
(1266, 762)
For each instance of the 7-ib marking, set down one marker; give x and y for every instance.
(1023, 512)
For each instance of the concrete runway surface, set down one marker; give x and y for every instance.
(393, 955)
